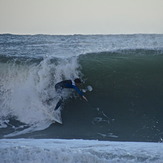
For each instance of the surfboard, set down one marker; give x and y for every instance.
(55, 117)
(54, 120)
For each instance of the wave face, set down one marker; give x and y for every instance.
(125, 72)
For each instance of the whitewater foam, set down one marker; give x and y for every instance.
(70, 151)
(27, 88)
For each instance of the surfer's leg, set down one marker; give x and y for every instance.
(49, 100)
(59, 103)
(58, 88)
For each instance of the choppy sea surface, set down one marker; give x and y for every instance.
(125, 72)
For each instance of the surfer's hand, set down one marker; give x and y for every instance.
(85, 98)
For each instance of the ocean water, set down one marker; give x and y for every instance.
(125, 72)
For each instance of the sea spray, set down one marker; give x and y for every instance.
(27, 88)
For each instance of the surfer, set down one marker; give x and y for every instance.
(70, 84)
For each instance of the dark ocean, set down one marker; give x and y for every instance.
(125, 72)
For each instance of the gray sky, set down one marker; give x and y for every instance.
(81, 16)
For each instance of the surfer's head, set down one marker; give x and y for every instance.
(77, 81)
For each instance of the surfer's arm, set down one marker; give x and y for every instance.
(80, 92)
(77, 90)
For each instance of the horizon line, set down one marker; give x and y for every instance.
(71, 34)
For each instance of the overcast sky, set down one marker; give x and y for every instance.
(81, 16)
